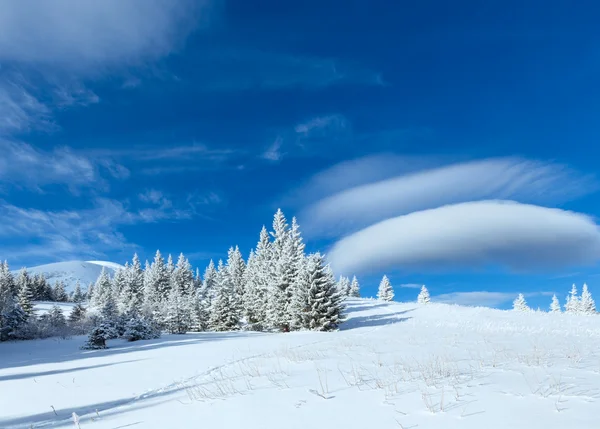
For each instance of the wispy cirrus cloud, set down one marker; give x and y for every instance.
(309, 137)
(356, 206)
(23, 165)
(94, 230)
(520, 237)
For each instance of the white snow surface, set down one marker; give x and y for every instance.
(70, 272)
(42, 307)
(392, 366)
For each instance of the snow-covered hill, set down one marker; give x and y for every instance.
(70, 272)
(392, 366)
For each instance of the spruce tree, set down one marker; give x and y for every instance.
(324, 300)
(25, 299)
(56, 317)
(587, 305)
(131, 298)
(520, 304)
(257, 283)
(235, 274)
(119, 280)
(344, 285)
(555, 305)
(7, 280)
(77, 314)
(89, 292)
(572, 303)
(77, 293)
(102, 291)
(209, 285)
(354, 288)
(59, 292)
(178, 312)
(223, 316)
(385, 291)
(423, 297)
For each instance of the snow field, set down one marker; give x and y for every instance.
(392, 366)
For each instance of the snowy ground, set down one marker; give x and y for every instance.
(393, 366)
(42, 307)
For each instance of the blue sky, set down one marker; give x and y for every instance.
(182, 125)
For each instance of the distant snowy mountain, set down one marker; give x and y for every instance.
(71, 271)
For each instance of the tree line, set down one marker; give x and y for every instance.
(277, 288)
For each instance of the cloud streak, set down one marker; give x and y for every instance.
(87, 35)
(521, 237)
(501, 178)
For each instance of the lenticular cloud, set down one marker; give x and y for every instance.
(518, 236)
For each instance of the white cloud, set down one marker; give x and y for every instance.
(273, 152)
(521, 237)
(505, 178)
(482, 298)
(24, 165)
(411, 285)
(90, 231)
(85, 35)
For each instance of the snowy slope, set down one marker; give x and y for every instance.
(42, 307)
(70, 272)
(392, 366)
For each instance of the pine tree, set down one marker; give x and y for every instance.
(283, 271)
(520, 304)
(59, 292)
(103, 291)
(300, 307)
(97, 338)
(25, 298)
(90, 292)
(344, 285)
(157, 285)
(119, 280)
(325, 307)
(572, 304)
(178, 314)
(223, 316)
(385, 291)
(77, 294)
(77, 313)
(12, 317)
(235, 274)
(7, 280)
(183, 276)
(555, 305)
(257, 283)
(209, 285)
(423, 297)
(354, 288)
(56, 317)
(131, 298)
(587, 305)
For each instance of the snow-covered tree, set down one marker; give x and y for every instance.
(235, 274)
(77, 293)
(131, 298)
(157, 285)
(25, 298)
(183, 276)
(209, 285)
(59, 292)
(178, 312)
(257, 283)
(102, 291)
(89, 293)
(77, 313)
(572, 303)
(586, 304)
(223, 316)
(56, 318)
(140, 329)
(7, 280)
(385, 291)
(423, 297)
(344, 285)
(119, 280)
(324, 301)
(520, 304)
(555, 305)
(354, 288)
(97, 338)
(12, 316)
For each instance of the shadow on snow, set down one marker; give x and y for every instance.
(20, 354)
